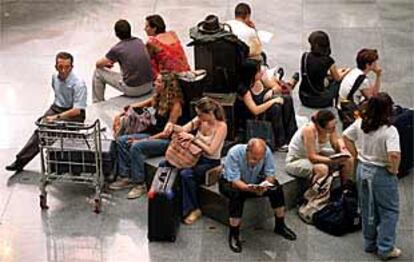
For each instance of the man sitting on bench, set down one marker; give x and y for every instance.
(249, 171)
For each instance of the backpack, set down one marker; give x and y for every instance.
(341, 215)
(317, 197)
(349, 110)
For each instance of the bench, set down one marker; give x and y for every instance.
(213, 204)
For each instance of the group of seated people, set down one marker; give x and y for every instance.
(152, 67)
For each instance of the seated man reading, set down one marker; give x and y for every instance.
(249, 171)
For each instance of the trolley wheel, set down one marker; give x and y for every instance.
(43, 202)
(97, 206)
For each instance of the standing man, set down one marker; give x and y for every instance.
(245, 30)
(69, 105)
(133, 58)
(246, 167)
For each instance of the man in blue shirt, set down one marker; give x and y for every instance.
(246, 169)
(69, 105)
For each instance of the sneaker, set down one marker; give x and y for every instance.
(285, 232)
(15, 166)
(120, 184)
(394, 253)
(283, 148)
(136, 191)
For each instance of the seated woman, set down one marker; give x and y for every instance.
(306, 156)
(260, 99)
(211, 129)
(133, 149)
(320, 76)
(164, 48)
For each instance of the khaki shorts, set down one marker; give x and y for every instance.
(299, 167)
(303, 167)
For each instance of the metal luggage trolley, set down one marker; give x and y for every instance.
(70, 153)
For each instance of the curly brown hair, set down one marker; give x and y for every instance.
(172, 93)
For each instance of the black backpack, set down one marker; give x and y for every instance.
(341, 215)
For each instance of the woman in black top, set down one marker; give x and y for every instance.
(260, 99)
(320, 76)
(133, 149)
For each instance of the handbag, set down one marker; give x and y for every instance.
(135, 120)
(261, 128)
(316, 197)
(182, 153)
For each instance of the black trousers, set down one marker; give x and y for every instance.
(31, 149)
(237, 197)
(283, 121)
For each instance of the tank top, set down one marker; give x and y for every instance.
(297, 146)
(208, 140)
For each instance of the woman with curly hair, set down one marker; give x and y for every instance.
(134, 148)
(375, 142)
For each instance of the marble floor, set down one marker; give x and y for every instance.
(33, 31)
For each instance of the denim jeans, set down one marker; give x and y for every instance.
(191, 178)
(379, 202)
(131, 157)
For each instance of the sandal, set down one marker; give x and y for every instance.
(192, 217)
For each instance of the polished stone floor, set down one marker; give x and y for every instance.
(33, 31)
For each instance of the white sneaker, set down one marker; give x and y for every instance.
(283, 148)
(394, 253)
(136, 191)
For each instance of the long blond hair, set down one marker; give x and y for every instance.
(172, 93)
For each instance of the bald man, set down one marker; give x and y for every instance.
(245, 168)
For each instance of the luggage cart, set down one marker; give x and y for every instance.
(70, 153)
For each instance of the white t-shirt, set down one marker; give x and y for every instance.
(373, 147)
(348, 82)
(246, 34)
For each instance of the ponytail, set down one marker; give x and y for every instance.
(207, 105)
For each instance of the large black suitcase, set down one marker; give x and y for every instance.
(403, 120)
(81, 160)
(222, 59)
(164, 205)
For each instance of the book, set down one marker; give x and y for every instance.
(264, 183)
(340, 155)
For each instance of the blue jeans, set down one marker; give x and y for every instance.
(191, 178)
(379, 202)
(131, 157)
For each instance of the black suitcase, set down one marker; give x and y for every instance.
(222, 60)
(81, 160)
(164, 205)
(403, 120)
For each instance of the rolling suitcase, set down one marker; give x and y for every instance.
(164, 205)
